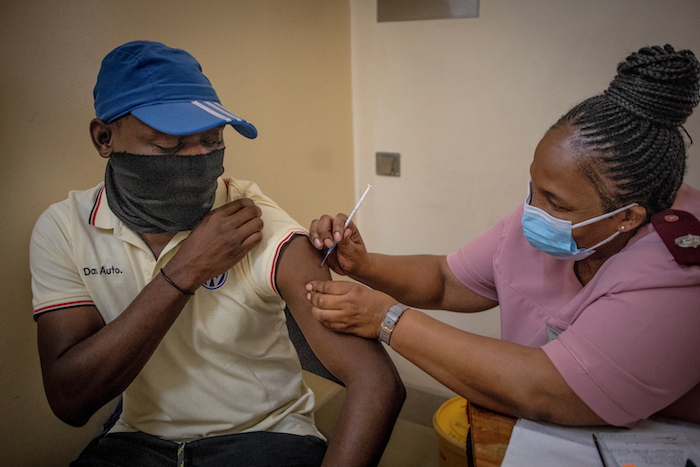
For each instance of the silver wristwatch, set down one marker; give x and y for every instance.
(392, 316)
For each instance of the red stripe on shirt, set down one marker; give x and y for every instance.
(96, 206)
(277, 256)
(64, 305)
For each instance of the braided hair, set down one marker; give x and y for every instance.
(632, 149)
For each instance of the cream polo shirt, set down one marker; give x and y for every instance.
(227, 364)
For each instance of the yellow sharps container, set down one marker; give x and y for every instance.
(451, 426)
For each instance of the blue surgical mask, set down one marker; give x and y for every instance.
(554, 236)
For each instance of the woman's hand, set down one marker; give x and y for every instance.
(349, 307)
(350, 255)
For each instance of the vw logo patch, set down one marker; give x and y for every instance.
(216, 282)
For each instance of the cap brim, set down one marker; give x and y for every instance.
(184, 118)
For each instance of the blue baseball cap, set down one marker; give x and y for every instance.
(164, 88)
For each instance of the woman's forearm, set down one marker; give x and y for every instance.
(415, 279)
(510, 378)
(421, 281)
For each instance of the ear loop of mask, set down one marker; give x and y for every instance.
(603, 216)
(582, 223)
(554, 220)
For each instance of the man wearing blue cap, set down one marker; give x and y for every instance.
(167, 284)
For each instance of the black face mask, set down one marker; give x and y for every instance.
(156, 194)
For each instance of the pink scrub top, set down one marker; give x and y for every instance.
(628, 342)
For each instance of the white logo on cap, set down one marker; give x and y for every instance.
(217, 110)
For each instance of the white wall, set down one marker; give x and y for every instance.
(465, 102)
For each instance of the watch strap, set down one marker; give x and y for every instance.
(390, 320)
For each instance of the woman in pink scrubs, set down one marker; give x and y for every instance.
(597, 274)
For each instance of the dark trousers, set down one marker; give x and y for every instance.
(256, 449)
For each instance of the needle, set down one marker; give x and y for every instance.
(347, 222)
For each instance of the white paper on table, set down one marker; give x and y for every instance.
(546, 444)
(646, 449)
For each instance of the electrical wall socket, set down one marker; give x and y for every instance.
(388, 163)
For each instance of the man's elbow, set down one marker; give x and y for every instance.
(70, 418)
(393, 389)
(69, 411)
(398, 389)
(386, 385)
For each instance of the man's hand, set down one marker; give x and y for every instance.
(220, 241)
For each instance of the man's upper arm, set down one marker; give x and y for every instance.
(56, 280)
(60, 330)
(300, 263)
